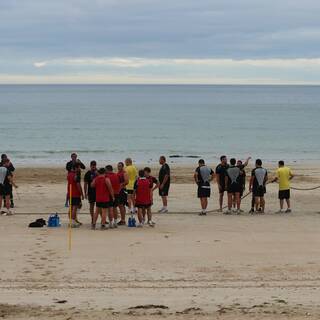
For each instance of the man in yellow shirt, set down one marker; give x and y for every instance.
(284, 175)
(132, 176)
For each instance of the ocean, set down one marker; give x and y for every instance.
(43, 124)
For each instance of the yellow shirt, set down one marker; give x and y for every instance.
(132, 176)
(284, 174)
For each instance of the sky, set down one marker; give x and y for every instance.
(153, 41)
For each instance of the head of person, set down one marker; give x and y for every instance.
(239, 163)
(258, 163)
(233, 161)
(74, 157)
(281, 163)
(147, 171)
(3, 157)
(141, 173)
(109, 168)
(6, 162)
(223, 160)
(120, 166)
(93, 165)
(101, 171)
(162, 160)
(201, 162)
(128, 162)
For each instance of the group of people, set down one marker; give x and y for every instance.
(6, 183)
(109, 192)
(231, 179)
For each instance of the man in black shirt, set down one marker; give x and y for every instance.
(89, 192)
(164, 183)
(11, 169)
(73, 161)
(221, 171)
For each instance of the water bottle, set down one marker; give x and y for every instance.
(57, 220)
(50, 221)
(130, 222)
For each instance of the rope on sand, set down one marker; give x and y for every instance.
(305, 189)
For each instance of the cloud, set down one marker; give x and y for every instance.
(40, 64)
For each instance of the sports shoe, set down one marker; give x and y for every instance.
(202, 213)
(74, 224)
(238, 211)
(139, 225)
(164, 210)
(288, 211)
(151, 223)
(78, 222)
(121, 223)
(115, 225)
(103, 227)
(228, 212)
(280, 211)
(93, 226)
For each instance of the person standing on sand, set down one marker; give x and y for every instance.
(104, 200)
(259, 178)
(10, 168)
(132, 176)
(284, 175)
(154, 184)
(74, 183)
(242, 178)
(89, 192)
(123, 196)
(202, 177)
(221, 171)
(164, 183)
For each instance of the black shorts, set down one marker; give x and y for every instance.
(143, 206)
(5, 189)
(164, 191)
(91, 197)
(259, 191)
(284, 194)
(204, 192)
(234, 188)
(123, 197)
(104, 205)
(129, 191)
(115, 202)
(223, 188)
(76, 202)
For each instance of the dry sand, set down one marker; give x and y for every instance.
(187, 267)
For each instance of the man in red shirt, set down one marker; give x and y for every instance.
(142, 195)
(104, 199)
(123, 201)
(154, 184)
(74, 185)
(116, 186)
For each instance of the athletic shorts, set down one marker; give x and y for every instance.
(76, 202)
(108, 204)
(129, 191)
(259, 192)
(223, 188)
(92, 197)
(164, 191)
(123, 197)
(143, 206)
(284, 194)
(115, 202)
(204, 192)
(234, 188)
(5, 189)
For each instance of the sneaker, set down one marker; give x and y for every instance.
(151, 223)
(74, 224)
(78, 222)
(238, 211)
(202, 213)
(93, 226)
(280, 211)
(121, 223)
(160, 211)
(111, 225)
(228, 212)
(288, 211)
(115, 225)
(103, 227)
(139, 225)
(164, 211)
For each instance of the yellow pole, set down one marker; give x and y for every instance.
(70, 215)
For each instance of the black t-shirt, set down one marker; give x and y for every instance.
(89, 177)
(165, 170)
(70, 165)
(256, 179)
(222, 171)
(242, 177)
(209, 172)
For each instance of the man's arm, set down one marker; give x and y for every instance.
(11, 167)
(251, 183)
(226, 178)
(109, 186)
(85, 186)
(126, 179)
(11, 181)
(156, 184)
(80, 189)
(165, 179)
(246, 162)
(82, 166)
(195, 177)
(291, 175)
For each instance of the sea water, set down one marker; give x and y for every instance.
(43, 124)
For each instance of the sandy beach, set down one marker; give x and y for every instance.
(187, 267)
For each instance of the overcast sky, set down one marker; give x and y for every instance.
(147, 41)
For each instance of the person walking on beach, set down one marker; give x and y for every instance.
(6, 183)
(142, 196)
(116, 186)
(202, 177)
(74, 184)
(259, 178)
(89, 192)
(104, 200)
(221, 171)
(154, 184)
(123, 196)
(132, 176)
(284, 175)
(164, 183)
(233, 184)
(10, 168)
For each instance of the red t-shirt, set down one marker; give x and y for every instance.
(102, 191)
(143, 193)
(115, 182)
(121, 176)
(73, 180)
